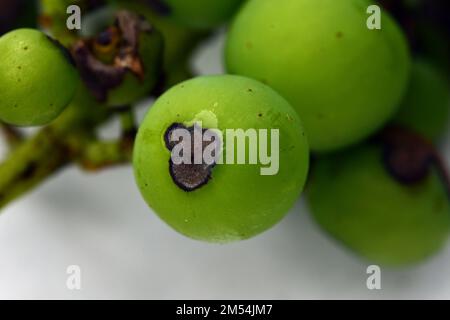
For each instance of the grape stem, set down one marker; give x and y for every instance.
(98, 155)
(71, 138)
(52, 148)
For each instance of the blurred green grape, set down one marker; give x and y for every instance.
(426, 106)
(354, 199)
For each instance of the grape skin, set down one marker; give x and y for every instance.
(354, 199)
(426, 106)
(202, 14)
(238, 202)
(37, 79)
(344, 80)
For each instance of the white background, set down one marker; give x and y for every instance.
(100, 222)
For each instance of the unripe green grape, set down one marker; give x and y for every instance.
(234, 201)
(37, 78)
(344, 80)
(355, 199)
(122, 64)
(201, 13)
(426, 106)
(54, 17)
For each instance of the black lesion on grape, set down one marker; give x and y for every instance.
(409, 158)
(189, 177)
(101, 77)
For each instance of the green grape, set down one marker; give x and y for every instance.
(201, 13)
(353, 198)
(54, 17)
(344, 80)
(222, 202)
(425, 108)
(122, 64)
(37, 78)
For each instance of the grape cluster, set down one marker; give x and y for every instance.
(367, 107)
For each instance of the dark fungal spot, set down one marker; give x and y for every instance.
(339, 35)
(409, 158)
(260, 115)
(408, 163)
(167, 135)
(101, 77)
(189, 176)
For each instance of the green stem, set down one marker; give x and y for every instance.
(29, 164)
(128, 123)
(99, 155)
(71, 138)
(52, 148)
